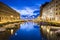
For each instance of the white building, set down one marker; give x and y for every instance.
(51, 11)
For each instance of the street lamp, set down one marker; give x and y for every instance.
(11, 31)
(51, 11)
(56, 19)
(17, 17)
(48, 29)
(11, 16)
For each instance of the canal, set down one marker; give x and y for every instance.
(21, 31)
(29, 31)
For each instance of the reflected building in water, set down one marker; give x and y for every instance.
(7, 14)
(5, 34)
(50, 32)
(27, 31)
(23, 31)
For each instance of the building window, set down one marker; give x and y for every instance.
(59, 8)
(56, 1)
(56, 9)
(53, 18)
(59, 13)
(56, 5)
(56, 13)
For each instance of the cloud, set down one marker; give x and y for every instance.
(29, 12)
(36, 11)
(26, 11)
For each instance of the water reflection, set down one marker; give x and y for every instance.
(20, 31)
(50, 32)
(27, 31)
(7, 30)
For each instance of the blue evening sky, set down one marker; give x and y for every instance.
(27, 8)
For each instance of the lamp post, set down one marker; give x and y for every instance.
(11, 17)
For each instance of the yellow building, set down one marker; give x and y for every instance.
(7, 14)
(50, 11)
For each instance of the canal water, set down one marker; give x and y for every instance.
(21, 31)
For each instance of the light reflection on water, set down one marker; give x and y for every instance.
(27, 31)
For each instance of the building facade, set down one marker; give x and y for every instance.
(7, 14)
(50, 11)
